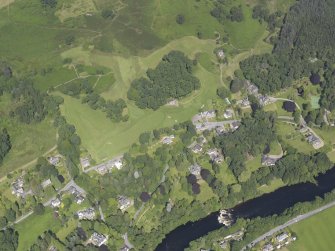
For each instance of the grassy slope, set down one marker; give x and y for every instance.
(197, 19)
(28, 141)
(104, 139)
(315, 233)
(245, 34)
(34, 226)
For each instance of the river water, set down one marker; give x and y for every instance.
(265, 205)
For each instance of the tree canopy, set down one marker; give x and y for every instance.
(5, 144)
(289, 106)
(304, 36)
(172, 78)
(249, 139)
(8, 240)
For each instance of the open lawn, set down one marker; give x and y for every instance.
(197, 19)
(331, 156)
(208, 62)
(58, 75)
(34, 226)
(293, 137)
(260, 47)
(251, 166)
(315, 233)
(315, 102)
(70, 226)
(244, 35)
(326, 134)
(225, 174)
(275, 184)
(275, 148)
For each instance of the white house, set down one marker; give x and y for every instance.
(55, 203)
(98, 239)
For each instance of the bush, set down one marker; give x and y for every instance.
(108, 14)
(236, 85)
(222, 92)
(39, 209)
(236, 14)
(315, 79)
(145, 196)
(180, 19)
(289, 106)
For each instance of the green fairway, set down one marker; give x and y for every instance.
(315, 233)
(126, 69)
(105, 139)
(34, 226)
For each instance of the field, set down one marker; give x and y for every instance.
(104, 139)
(244, 35)
(34, 226)
(315, 233)
(93, 126)
(28, 141)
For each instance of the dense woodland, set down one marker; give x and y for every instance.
(223, 12)
(171, 79)
(250, 139)
(5, 144)
(305, 46)
(298, 167)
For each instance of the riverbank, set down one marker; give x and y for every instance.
(287, 224)
(287, 202)
(258, 227)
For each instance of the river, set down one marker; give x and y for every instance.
(265, 205)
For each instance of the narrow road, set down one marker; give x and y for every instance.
(23, 217)
(127, 242)
(106, 163)
(302, 121)
(48, 202)
(101, 214)
(286, 99)
(202, 126)
(287, 224)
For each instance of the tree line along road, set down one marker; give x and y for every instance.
(287, 224)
